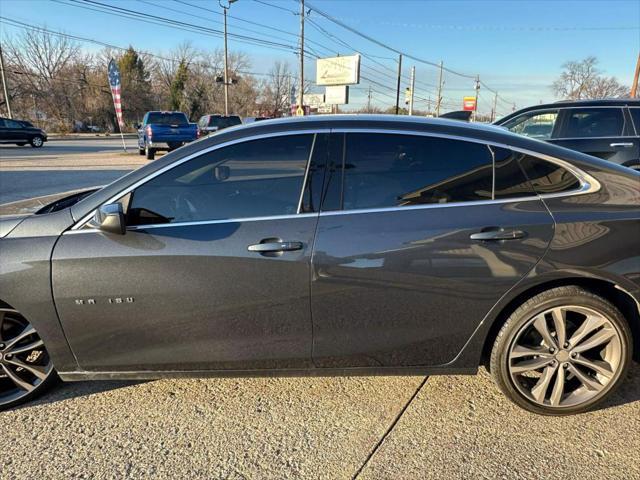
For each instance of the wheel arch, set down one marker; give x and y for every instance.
(621, 298)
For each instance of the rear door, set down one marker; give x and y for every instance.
(604, 132)
(212, 273)
(415, 245)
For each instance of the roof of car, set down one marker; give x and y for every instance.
(603, 102)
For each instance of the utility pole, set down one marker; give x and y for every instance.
(413, 84)
(439, 99)
(634, 87)
(226, 70)
(398, 86)
(300, 109)
(495, 106)
(369, 100)
(4, 85)
(475, 110)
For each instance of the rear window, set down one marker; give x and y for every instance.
(224, 122)
(593, 122)
(169, 118)
(635, 115)
(547, 177)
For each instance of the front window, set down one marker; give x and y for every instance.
(256, 178)
(535, 124)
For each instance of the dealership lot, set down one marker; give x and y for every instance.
(364, 427)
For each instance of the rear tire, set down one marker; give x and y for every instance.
(150, 152)
(562, 352)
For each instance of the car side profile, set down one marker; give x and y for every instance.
(608, 129)
(335, 245)
(21, 132)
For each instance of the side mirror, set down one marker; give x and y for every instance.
(110, 219)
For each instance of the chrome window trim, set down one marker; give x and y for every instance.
(588, 184)
(80, 223)
(202, 222)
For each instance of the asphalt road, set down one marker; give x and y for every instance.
(19, 185)
(69, 147)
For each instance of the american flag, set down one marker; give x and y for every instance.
(114, 83)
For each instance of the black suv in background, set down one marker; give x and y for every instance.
(212, 123)
(21, 132)
(609, 129)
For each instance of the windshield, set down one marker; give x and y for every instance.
(169, 118)
(224, 122)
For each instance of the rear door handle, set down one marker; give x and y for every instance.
(621, 144)
(268, 247)
(494, 234)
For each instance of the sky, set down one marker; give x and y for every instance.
(516, 47)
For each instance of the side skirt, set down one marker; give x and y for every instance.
(313, 372)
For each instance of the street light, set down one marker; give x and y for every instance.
(226, 76)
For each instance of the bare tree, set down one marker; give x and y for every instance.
(276, 90)
(583, 79)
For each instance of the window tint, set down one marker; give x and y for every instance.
(547, 177)
(635, 115)
(12, 124)
(510, 180)
(224, 122)
(2, 125)
(383, 170)
(167, 118)
(593, 122)
(251, 179)
(535, 124)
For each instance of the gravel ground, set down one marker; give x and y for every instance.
(324, 428)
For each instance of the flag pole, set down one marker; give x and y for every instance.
(114, 84)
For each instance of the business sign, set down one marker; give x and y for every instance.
(469, 104)
(313, 99)
(336, 95)
(338, 70)
(325, 109)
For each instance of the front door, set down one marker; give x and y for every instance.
(212, 273)
(415, 245)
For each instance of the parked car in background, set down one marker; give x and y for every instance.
(609, 129)
(212, 123)
(164, 131)
(338, 244)
(246, 120)
(21, 133)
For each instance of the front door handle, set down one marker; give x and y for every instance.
(275, 246)
(495, 233)
(621, 144)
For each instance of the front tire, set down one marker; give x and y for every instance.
(26, 370)
(37, 141)
(562, 352)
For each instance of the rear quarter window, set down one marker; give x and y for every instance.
(547, 177)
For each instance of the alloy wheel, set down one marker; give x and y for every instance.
(24, 362)
(37, 141)
(565, 356)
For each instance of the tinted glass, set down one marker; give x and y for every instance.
(2, 125)
(383, 170)
(224, 122)
(635, 115)
(547, 177)
(510, 180)
(593, 122)
(535, 125)
(174, 118)
(251, 179)
(12, 124)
